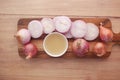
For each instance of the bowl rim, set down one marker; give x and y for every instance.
(58, 55)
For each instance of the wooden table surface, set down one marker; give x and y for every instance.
(13, 67)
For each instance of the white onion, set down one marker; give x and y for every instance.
(23, 36)
(92, 32)
(78, 29)
(62, 23)
(48, 25)
(35, 28)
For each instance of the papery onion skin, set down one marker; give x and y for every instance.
(106, 35)
(30, 50)
(80, 47)
(23, 36)
(100, 49)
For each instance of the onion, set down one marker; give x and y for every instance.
(99, 49)
(30, 50)
(92, 32)
(80, 47)
(106, 35)
(35, 28)
(48, 25)
(68, 35)
(62, 23)
(78, 29)
(23, 36)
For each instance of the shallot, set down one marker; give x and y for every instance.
(78, 29)
(80, 47)
(99, 49)
(23, 36)
(92, 32)
(35, 28)
(62, 23)
(48, 25)
(30, 50)
(106, 35)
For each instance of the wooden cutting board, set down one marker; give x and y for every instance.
(23, 23)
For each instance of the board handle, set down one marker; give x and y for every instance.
(116, 38)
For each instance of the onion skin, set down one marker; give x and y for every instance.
(30, 50)
(80, 47)
(99, 49)
(23, 36)
(106, 35)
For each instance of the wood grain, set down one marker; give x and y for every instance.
(62, 7)
(13, 67)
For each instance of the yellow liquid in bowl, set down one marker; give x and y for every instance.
(55, 44)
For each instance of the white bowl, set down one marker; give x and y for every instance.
(58, 54)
